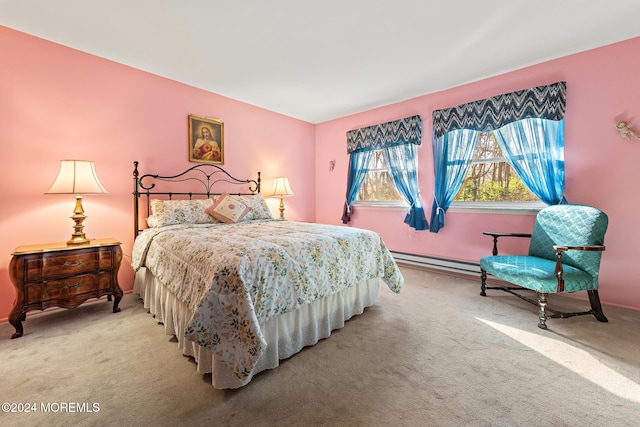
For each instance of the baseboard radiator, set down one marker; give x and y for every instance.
(442, 264)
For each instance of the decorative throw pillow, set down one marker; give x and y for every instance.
(228, 209)
(169, 212)
(259, 208)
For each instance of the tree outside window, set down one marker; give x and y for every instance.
(490, 178)
(378, 184)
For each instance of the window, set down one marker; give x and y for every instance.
(528, 123)
(491, 179)
(383, 168)
(378, 186)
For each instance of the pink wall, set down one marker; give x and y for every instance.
(602, 88)
(58, 103)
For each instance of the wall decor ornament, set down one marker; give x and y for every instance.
(626, 132)
(206, 140)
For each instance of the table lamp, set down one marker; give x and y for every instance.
(281, 189)
(77, 177)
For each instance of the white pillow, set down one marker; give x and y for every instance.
(152, 221)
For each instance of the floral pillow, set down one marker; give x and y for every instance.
(169, 212)
(259, 208)
(228, 209)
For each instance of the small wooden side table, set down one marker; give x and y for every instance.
(61, 275)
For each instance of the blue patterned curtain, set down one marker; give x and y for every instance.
(407, 131)
(535, 150)
(397, 139)
(543, 102)
(358, 167)
(452, 155)
(402, 166)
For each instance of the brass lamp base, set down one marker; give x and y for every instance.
(78, 237)
(281, 208)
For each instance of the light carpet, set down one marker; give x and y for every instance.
(437, 354)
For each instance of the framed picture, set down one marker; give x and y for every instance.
(206, 140)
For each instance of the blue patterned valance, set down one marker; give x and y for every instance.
(407, 130)
(545, 102)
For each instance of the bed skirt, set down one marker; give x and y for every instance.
(286, 334)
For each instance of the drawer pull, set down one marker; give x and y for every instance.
(77, 285)
(72, 264)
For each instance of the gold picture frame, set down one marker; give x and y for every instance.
(206, 140)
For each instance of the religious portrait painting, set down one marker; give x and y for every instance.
(206, 140)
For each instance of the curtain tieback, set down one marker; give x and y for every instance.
(438, 208)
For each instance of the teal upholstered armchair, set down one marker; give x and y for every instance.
(564, 256)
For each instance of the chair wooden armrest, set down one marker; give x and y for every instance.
(560, 249)
(497, 235)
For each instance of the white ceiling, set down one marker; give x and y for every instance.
(320, 60)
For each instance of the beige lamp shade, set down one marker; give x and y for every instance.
(77, 177)
(281, 188)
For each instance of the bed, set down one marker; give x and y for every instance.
(239, 289)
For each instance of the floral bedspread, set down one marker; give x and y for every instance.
(235, 276)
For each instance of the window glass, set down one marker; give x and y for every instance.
(378, 185)
(490, 178)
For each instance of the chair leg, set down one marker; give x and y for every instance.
(542, 316)
(596, 307)
(483, 286)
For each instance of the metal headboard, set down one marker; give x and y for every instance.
(203, 177)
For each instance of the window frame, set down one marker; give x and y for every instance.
(511, 208)
(501, 207)
(383, 203)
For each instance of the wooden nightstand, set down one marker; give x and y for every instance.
(58, 275)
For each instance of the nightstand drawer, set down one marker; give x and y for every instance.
(63, 264)
(56, 289)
